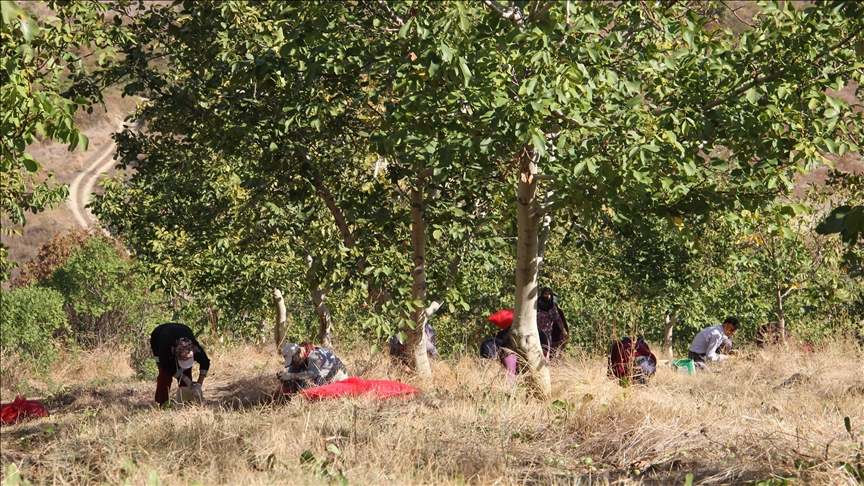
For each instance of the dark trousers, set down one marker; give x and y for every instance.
(163, 383)
(697, 358)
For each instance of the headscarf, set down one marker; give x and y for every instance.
(543, 304)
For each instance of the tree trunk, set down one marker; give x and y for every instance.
(281, 317)
(668, 323)
(781, 321)
(318, 296)
(524, 333)
(325, 321)
(543, 236)
(213, 319)
(416, 345)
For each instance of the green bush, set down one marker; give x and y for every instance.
(29, 319)
(107, 299)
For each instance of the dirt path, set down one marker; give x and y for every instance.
(83, 184)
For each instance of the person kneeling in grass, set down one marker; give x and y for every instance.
(307, 366)
(175, 348)
(705, 344)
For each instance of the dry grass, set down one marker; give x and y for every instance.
(751, 421)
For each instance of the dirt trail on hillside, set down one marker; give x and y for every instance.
(82, 186)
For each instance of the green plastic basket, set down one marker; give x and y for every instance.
(686, 364)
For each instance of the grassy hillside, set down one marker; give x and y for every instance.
(766, 414)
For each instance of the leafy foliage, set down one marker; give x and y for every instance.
(286, 140)
(29, 319)
(43, 85)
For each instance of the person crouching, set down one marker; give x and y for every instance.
(175, 348)
(307, 366)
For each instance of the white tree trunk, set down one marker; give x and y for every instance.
(281, 316)
(668, 323)
(781, 320)
(524, 333)
(416, 346)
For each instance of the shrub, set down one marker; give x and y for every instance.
(29, 319)
(52, 254)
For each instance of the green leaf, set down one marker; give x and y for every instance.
(579, 169)
(10, 11)
(29, 28)
(31, 165)
(335, 450)
(688, 36)
(466, 73)
(752, 96)
(539, 141)
(634, 102)
(437, 234)
(532, 84)
(403, 32)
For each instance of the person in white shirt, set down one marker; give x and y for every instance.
(705, 344)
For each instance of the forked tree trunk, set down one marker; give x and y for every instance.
(668, 323)
(416, 345)
(524, 333)
(281, 316)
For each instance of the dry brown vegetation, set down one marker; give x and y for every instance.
(750, 421)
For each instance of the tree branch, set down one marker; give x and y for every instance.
(391, 13)
(735, 13)
(539, 10)
(511, 14)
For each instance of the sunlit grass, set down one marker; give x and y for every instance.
(758, 417)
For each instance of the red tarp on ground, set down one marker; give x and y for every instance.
(502, 318)
(21, 409)
(353, 387)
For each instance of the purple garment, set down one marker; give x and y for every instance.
(398, 349)
(545, 321)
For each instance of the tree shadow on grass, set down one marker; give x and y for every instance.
(243, 393)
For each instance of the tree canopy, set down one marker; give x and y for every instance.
(335, 134)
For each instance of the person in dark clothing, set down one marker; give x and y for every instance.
(635, 363)
(499, 347)
(551, 324)
(770, 334)
(175, 348)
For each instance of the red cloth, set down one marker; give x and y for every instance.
(353, 387)
(622, 356)
(21, 409)
(502, 318)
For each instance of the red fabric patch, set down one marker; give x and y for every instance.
(352, 387)
(21, 409)
(502, 318)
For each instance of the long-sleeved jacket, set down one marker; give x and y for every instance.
(163, 338)
(321, 363)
